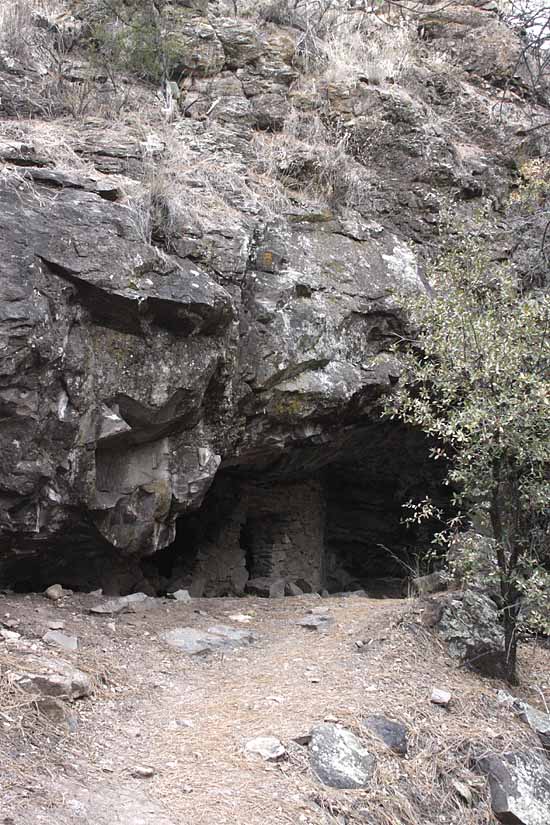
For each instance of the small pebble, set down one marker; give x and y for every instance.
(268, 747)
(143, 772)
(56, 625)
(440, 697)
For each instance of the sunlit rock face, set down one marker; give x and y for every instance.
(213, 389)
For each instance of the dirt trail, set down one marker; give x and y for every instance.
(189, 718)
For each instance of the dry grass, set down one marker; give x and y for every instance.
(340, 41)
(28, 32)
(306, 159)
(367, 48)
(185, 192)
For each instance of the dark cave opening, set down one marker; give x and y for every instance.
(323, 517)
(79, 559)
(329, 516)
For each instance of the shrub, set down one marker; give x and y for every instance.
(130, 36)
(477, 381)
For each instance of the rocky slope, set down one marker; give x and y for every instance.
(197, 287)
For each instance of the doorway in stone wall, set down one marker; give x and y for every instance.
(258, 539)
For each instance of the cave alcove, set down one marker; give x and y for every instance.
(328, 516)
(325, 517)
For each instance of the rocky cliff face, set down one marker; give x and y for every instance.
(202, 294)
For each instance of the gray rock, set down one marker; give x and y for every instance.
(316, 622)
(432, 583)
(120, 283)
(194, 641)
(266, 587)
(55, 637)
(181, 596)
(268, 747)
(120, 605)
(469, 623)
(240, 40)
(305, 586)
(54, 592)
(52, 677)
(339, 759)
(538, 720)
(270, 111)
(520, 787)
(66, 180)
(292, 589)
(9, 635)
(393, 734)
(21, 154)
(441, 697)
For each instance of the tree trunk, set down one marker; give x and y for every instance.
(510, 596)
(511, 643)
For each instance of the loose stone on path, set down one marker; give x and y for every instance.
(194, 641)
(55, 637)
(339, 759)
(268, 747)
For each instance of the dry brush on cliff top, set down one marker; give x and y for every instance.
(344, 59)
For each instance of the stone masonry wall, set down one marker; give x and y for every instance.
(275, 531)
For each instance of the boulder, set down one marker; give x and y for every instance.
(538, 720)
(54, 592)
(240, 39)
(51, 677)
(292, 589)
(316, 622)
(266, 587)
(519, 783)
(181, 596)
(339, 759)
(469, 623)
(393, 734)
(194, 641)
(140, 472)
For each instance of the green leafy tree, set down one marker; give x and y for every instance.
(477, 381)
